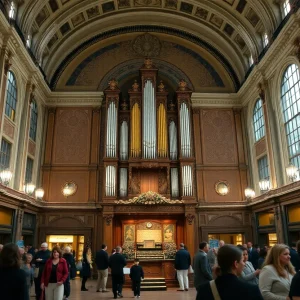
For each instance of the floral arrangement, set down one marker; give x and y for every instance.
(169, 250)
(129, 250)
(149, 198)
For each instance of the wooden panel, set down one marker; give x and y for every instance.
(213, 176)
(72, 136)
(218, 137)
(58, 179)
(149, 181)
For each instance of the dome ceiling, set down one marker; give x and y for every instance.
(232, 28)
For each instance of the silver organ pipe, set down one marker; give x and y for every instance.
(111, 131)
(149, 121)
(173, 140)
(185, 131)
(124, 141)
(174, 182)
(123, 182)
(187, 183)
(110, 181)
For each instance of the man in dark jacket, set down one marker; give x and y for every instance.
(182, 264)
(253, 254)
(68, 256)
(295, 258)
(202, 269)
(117, 262)
(40, 259)
(101, 261)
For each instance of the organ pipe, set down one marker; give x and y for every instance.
(110, 181)
(123, 182)
(162, 131)
(174, 182)
(173, 140)
(149, 121)
(135, 138)
(124, 141)
(185, 131)
(187, 183)
(111, 130)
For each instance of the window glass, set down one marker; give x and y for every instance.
(29, 169)
(258, 121)
(290, 103)
(263, 168)
(11, 96)
(33, 121)
(5, 154)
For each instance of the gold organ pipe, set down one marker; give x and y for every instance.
(162, 130)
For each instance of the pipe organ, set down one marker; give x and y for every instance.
(148, 143)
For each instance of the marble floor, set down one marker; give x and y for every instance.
(170, 294)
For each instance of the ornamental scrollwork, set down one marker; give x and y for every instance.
(108, 219)
(190, 218)
(149, 198)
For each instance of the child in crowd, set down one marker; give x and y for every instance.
(136, 275)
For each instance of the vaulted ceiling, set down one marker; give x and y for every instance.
(231, 30)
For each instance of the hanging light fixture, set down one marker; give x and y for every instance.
(264, 185)
(29, 188)
(249, 193)
(5, 177)
(39, 193)
(291, 172)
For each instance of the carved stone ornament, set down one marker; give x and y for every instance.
(182, 85)
(161, 87)
(190, 218)
(147, 45)
(149, 198)
(124, 105)
(171, 105)
(135, 86)
(148, 63)
(108, 219)
(7, 65)
(113, 84)
(261, 92)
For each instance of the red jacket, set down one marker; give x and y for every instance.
(61, 271)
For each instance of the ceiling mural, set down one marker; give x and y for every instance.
(232, 27)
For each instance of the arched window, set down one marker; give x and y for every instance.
(290, 102)
(33, 120)
(11, 96)
(258, 121)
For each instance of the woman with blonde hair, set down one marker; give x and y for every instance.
(277, 273)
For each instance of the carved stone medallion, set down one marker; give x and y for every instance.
(147, 45)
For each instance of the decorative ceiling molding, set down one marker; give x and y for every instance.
(215, 100)
(75, 99)
(144, 28)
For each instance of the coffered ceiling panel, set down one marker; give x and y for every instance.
(233, 28)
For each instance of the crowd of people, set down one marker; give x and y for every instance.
(51, 271)
(228, 272)
(245, 272)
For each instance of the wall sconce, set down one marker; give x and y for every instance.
(39, 193)
(5, 177)
(29, 188)
(249, 193)
(291, 172)
(222, 188)
(69, 189)
(264, 185)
